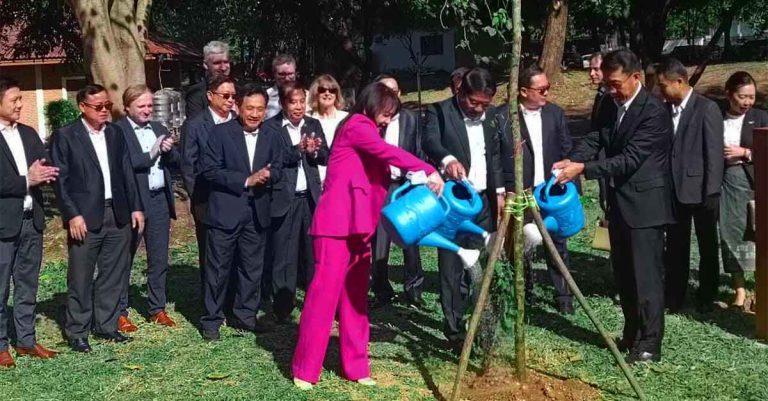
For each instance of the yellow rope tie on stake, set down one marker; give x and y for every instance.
(520, 203)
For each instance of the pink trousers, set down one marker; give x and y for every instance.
(342, 267)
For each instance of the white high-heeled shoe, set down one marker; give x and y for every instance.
(302, 385)
(366, 381)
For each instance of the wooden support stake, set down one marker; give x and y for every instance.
(482, 298)
(552, 251)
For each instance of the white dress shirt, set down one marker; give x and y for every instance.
(295, 133)
(677, 111)
(732, 129)
(533, 124)
(99, 141)
(478, 173)
(273, 103)
(329, 125)
(622, 108)
(392, 137)
(217, 119)
(250, 144)
(13, 139)
(147, 139)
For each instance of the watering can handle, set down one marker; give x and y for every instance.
(396, 193)
(446, 205)
(548, 187)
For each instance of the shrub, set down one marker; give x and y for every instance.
(59, 113)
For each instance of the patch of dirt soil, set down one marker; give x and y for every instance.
(500, 384)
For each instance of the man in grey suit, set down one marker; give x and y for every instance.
(152, 153)
(23, 170)
(696, 167)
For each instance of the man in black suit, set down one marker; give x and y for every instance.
(99, 205)
(547, 140)
(459, 136)
(241, 164)
(152, 154)
(216, 64)
(194, 136)
(404, 132)
(697, 168)
(23, 170)
(637, 140)
(294, 196)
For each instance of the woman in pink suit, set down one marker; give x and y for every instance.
(344, 221)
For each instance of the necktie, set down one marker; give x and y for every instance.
(619, 116)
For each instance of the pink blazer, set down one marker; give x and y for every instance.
(357, 179)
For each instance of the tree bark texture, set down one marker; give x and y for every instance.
(554, 38)
(647, 25)
(113, 36)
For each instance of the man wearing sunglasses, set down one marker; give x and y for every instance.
(637, 138)
(402, 131)
(194, 139)
(547, 140)
(216, 63)
(99, 205)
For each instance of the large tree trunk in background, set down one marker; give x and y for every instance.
(724, 29)
(554, 38)
(647, 21)
(114, 43)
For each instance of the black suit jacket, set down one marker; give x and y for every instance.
(755, 118)
(13, 187)
(410, 134)
(556, 143)
(141, 162)
(697, 151)
(636, 163)
(195, 99)
(80, 186)
(445, 133)
(194, 136)
(226, 167)
(284, 191)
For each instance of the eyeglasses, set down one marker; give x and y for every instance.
(99, 107)
(542, 91)
(225, 96)
(322, 89)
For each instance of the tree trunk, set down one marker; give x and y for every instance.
(647, 19)
(554, 38)
(724, 28)
(113, 36)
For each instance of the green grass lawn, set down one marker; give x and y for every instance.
(706, 357)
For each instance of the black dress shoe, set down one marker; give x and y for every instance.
(114, 337)
(210, 335)
(262, 326)
(415, 302)
(624, 345)
(642, 356)
(79, 345)
(566, 308)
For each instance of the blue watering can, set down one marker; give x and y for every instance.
(415, 215)
(560, 208)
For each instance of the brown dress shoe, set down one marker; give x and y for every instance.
(162, 318)
(125, 325)
(6, 360)
(38, 351)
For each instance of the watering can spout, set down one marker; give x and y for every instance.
(468, 257)
(438, 241)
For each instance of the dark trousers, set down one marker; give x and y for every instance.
(240, 249)
(20, 258)
(293, 262)
(637, 258)
(156, 235)
(199, 209)
(678, 254)
(95, 304)
(455, 282)
(563, 295)
(413, 277)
